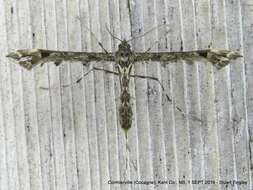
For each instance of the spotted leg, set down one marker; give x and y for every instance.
(98, 69)
(167, 96)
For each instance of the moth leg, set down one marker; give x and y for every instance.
(148, 77)
(98, 69)
(196, 118)
(105, 70)
(101, 45)
(156, 79)
(152, 45)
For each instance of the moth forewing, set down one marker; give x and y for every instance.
(29, 58)
(219, 58)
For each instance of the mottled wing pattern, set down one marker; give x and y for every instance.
(219, 58)
(28, 58)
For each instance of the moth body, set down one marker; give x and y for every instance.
(124, 60)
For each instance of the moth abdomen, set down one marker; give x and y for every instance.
(125, 110)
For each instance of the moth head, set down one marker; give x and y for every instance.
(124, 48)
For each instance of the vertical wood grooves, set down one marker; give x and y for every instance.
(238, 99)
(36, 42)
(6, 160)
(229, 90)
(160, 18)
(60, 162)
(209, 131)
(3, 151)
(153, 96)
(108, 96)
(50, 81)
(188, 21)
(49, 172)
(113, 138)
(73, 42)
(142, 114)
(31, 118)
(245, 97)
(67, 111)
(83, 166)
(10, 140)
(21, 143)
(172, 158)
(21, 11)
(185, 91)
(223, 97)
(179, 98)
(216, 133)
(246, 20)
(95, 177)
(99, 94)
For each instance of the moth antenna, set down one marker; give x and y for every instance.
(149, 31)
(156, 42)
(210, 45)
(112, 34)
(99, 43)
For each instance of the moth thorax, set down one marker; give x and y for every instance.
(124, 54)
(124, 47)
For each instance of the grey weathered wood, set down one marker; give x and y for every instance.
(9, 120)
(82, 142)
(154, 93)
(18, 106)
(207, 96)
(4, 178)
(76, 137)
(29, 101)
(246, 12)
(168, 108)
(105, 99)
(66, 96)
(142, 121)
(193, 92)
(179, 99)
(223, 98)
(92, 105)
(43, 108)
(238, 95)
(55, 38)
(115, 142)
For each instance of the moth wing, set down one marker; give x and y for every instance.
(29, 58)
(219, 58)
(169, 56)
